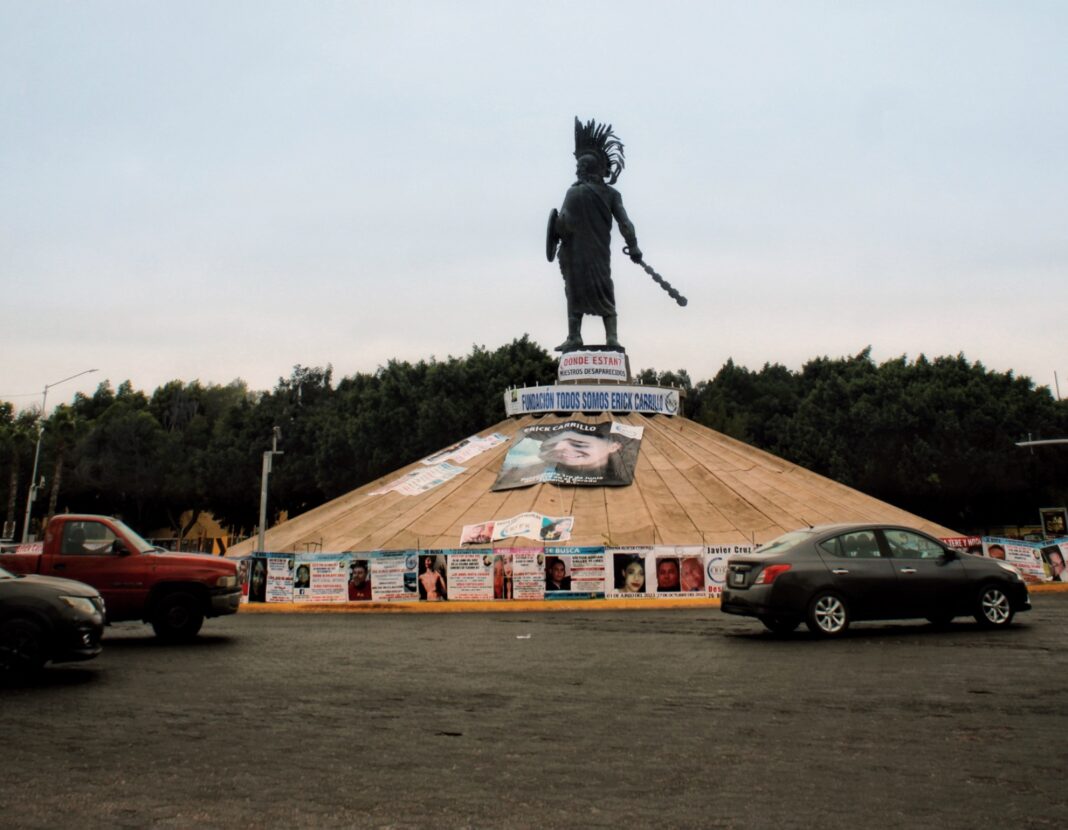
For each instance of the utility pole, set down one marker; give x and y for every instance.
(268, 456)
(32, 494)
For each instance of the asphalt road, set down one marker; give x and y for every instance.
(679, 718)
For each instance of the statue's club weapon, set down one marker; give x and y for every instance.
(663, 283)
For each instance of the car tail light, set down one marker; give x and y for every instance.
(767, 576)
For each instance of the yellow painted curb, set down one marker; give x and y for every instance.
(1048, 588)
(513, 606)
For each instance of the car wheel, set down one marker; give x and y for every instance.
(827, 615)
(22, 646)
(780, 625)
(993, 607)
(178, 616)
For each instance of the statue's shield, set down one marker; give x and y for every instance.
(552, 239)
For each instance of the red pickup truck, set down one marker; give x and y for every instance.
(172, 591)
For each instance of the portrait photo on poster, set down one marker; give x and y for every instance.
(557, 574)
(1054, 558)
(503, 585)
(359, 587)
(692, 575)
(257, 580)
(572, 453)
(629, 575)
(668, 574)
(432, 584)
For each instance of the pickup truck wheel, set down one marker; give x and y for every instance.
(22, 646)
(177, 616)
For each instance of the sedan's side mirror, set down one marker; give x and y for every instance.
(119, 548)
(949, 554)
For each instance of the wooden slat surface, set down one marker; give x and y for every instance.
(692, 485)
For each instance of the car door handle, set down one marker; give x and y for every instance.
(839, 571)
(908, 570)
(58, 566)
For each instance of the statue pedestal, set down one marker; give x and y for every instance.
(594, 364)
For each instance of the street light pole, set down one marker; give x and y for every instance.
(32, 494)
(267, 457)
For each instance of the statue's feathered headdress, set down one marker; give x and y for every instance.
(596, 139)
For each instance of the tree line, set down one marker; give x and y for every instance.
(937, 437)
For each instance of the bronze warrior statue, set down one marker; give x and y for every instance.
(583, 230)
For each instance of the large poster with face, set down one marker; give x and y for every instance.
(572, 453)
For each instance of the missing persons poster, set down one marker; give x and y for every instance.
(528, 573)
(469, 574)
(393, 576)
(1026, 557)
(574, 573)
(572, 453)
(279, 579)
(629, 573)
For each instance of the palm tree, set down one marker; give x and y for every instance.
(65, 427)
(17, 436)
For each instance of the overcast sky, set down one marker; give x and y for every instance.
(220, 190)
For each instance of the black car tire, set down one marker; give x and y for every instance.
(178, 616)
(993, 608)
(827, 615)
(780, 625)
(22, 646)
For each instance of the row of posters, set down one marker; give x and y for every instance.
(501, 574)
(552, 572)
(1036, 562)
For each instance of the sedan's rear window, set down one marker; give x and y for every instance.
(856, 545)
(784, 542)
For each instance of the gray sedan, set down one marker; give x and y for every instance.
(834, 575)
